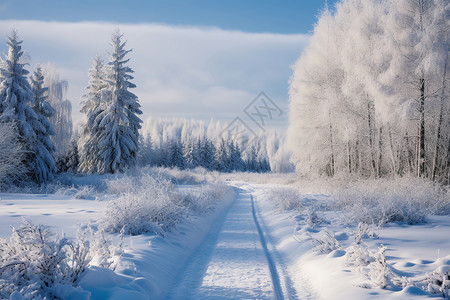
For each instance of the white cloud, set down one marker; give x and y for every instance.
(188, 72)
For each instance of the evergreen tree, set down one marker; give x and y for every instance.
(71, 160)
(118, 123)
(15, 99)
(222, 157)
(237, 164)
(44, 161)
(92, 107)
(207, 154)
(146, 151)
(252, 164)
(188, 154)
(176, 154)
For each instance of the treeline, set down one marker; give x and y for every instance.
(214, 145)
(369, 95)
(226, 156)
(35, 119)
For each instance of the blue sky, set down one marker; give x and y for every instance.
(192, 59)
(287, 16)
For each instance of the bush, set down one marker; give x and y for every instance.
(382, 201)
(36, 265)
(151, 203)
(286, 199)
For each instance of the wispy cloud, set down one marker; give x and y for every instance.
(179, 71)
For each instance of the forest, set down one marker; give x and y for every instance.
(370, 95)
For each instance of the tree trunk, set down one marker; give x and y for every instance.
(421, 145)
(331, 148)
(370, 123)
(391, 144)
(441, 120)
(349, 158)
(380, 153)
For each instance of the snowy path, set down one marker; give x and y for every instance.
(233, 262)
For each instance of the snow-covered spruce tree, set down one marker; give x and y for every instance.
(222, 157)
(44, 161)
(176, 158)
(146, 151)
(71, 160)
(16, 97)
(92, 106)
(118, 123)
(188, 154)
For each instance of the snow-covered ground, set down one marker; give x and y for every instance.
(247, 247)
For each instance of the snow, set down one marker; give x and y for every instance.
(246, 247)
(231, 263)
(60, 212)
(412, 251)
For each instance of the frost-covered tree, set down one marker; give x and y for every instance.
(16, 97)
(222, 157)
(71, 160)
(364, 93)
(146, 151)
(236, 161)
(62, 119)
(12, 156)
(189, 154)
(207, 145)
(92, 106)
(44, 161)
(118, 123)
(176, 158)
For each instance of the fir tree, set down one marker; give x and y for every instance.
(176, 154)
(188, 154)
(92, 106)
(222, 157)
(15, 99)
(118, 123)
(44, 161)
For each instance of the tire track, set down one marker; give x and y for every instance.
(272, 267)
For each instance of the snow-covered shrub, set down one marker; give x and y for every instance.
(197, 176)
(438, 282)
(286, 199)
(382, 201)
(152, 203)
(36, 265)
(121, 185)
(151, 207)
(325, 242)
(378, 268)
(358, 255)
(208, 195)
(103, 251)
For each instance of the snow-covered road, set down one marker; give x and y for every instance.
(233, 262)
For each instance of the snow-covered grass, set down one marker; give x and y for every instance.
(375, 201)
(382, 201)
(373, 238)
(153, 204)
